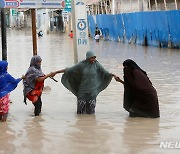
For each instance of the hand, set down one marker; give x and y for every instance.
(118, 79)
(23, 77)
(52, 74)
(115, 77)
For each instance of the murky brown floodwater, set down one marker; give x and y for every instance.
(59, 130)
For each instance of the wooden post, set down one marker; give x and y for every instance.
(156, 4)
(95, 8)
(143, 5)
(122, 6)
(110, 6)
(34, 35)
(149, 1)
(106, 6)
(131, 5)
(165, 5)
(113, 7)
(102, 11)
(175, 1)
(98, 8)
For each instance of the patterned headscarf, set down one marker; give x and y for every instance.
(35, 60)
(33, 72)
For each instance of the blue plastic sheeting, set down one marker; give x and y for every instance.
(173, 18)
(160, 28)
(106, 26)
(92, 25)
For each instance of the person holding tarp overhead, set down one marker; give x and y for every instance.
(140, 97)
(7, 84)
(86, 80)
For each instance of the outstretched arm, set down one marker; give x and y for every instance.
(118, 79)
(59, 71)
(42, 78)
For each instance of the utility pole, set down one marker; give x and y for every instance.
(80, 29)
(34, 35)
(3, 34)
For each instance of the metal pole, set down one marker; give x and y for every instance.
(3, 34)
(34, 36)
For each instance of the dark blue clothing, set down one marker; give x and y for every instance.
(7, 82)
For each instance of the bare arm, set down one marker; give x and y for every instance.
(42, 78)
(60, 71)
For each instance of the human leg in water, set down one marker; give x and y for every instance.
(38, 106)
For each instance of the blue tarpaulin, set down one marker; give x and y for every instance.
(159, 28)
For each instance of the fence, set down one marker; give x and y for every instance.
(158, 28)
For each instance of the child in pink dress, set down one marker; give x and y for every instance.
(7, 84)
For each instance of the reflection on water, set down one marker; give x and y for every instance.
(89, 135)
(60, 130)
(141, 133)
(7, 136)
(34, 135)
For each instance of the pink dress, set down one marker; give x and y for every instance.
(4, 104)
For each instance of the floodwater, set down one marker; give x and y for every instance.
(59, 130)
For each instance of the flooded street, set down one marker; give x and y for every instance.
(59, 130)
